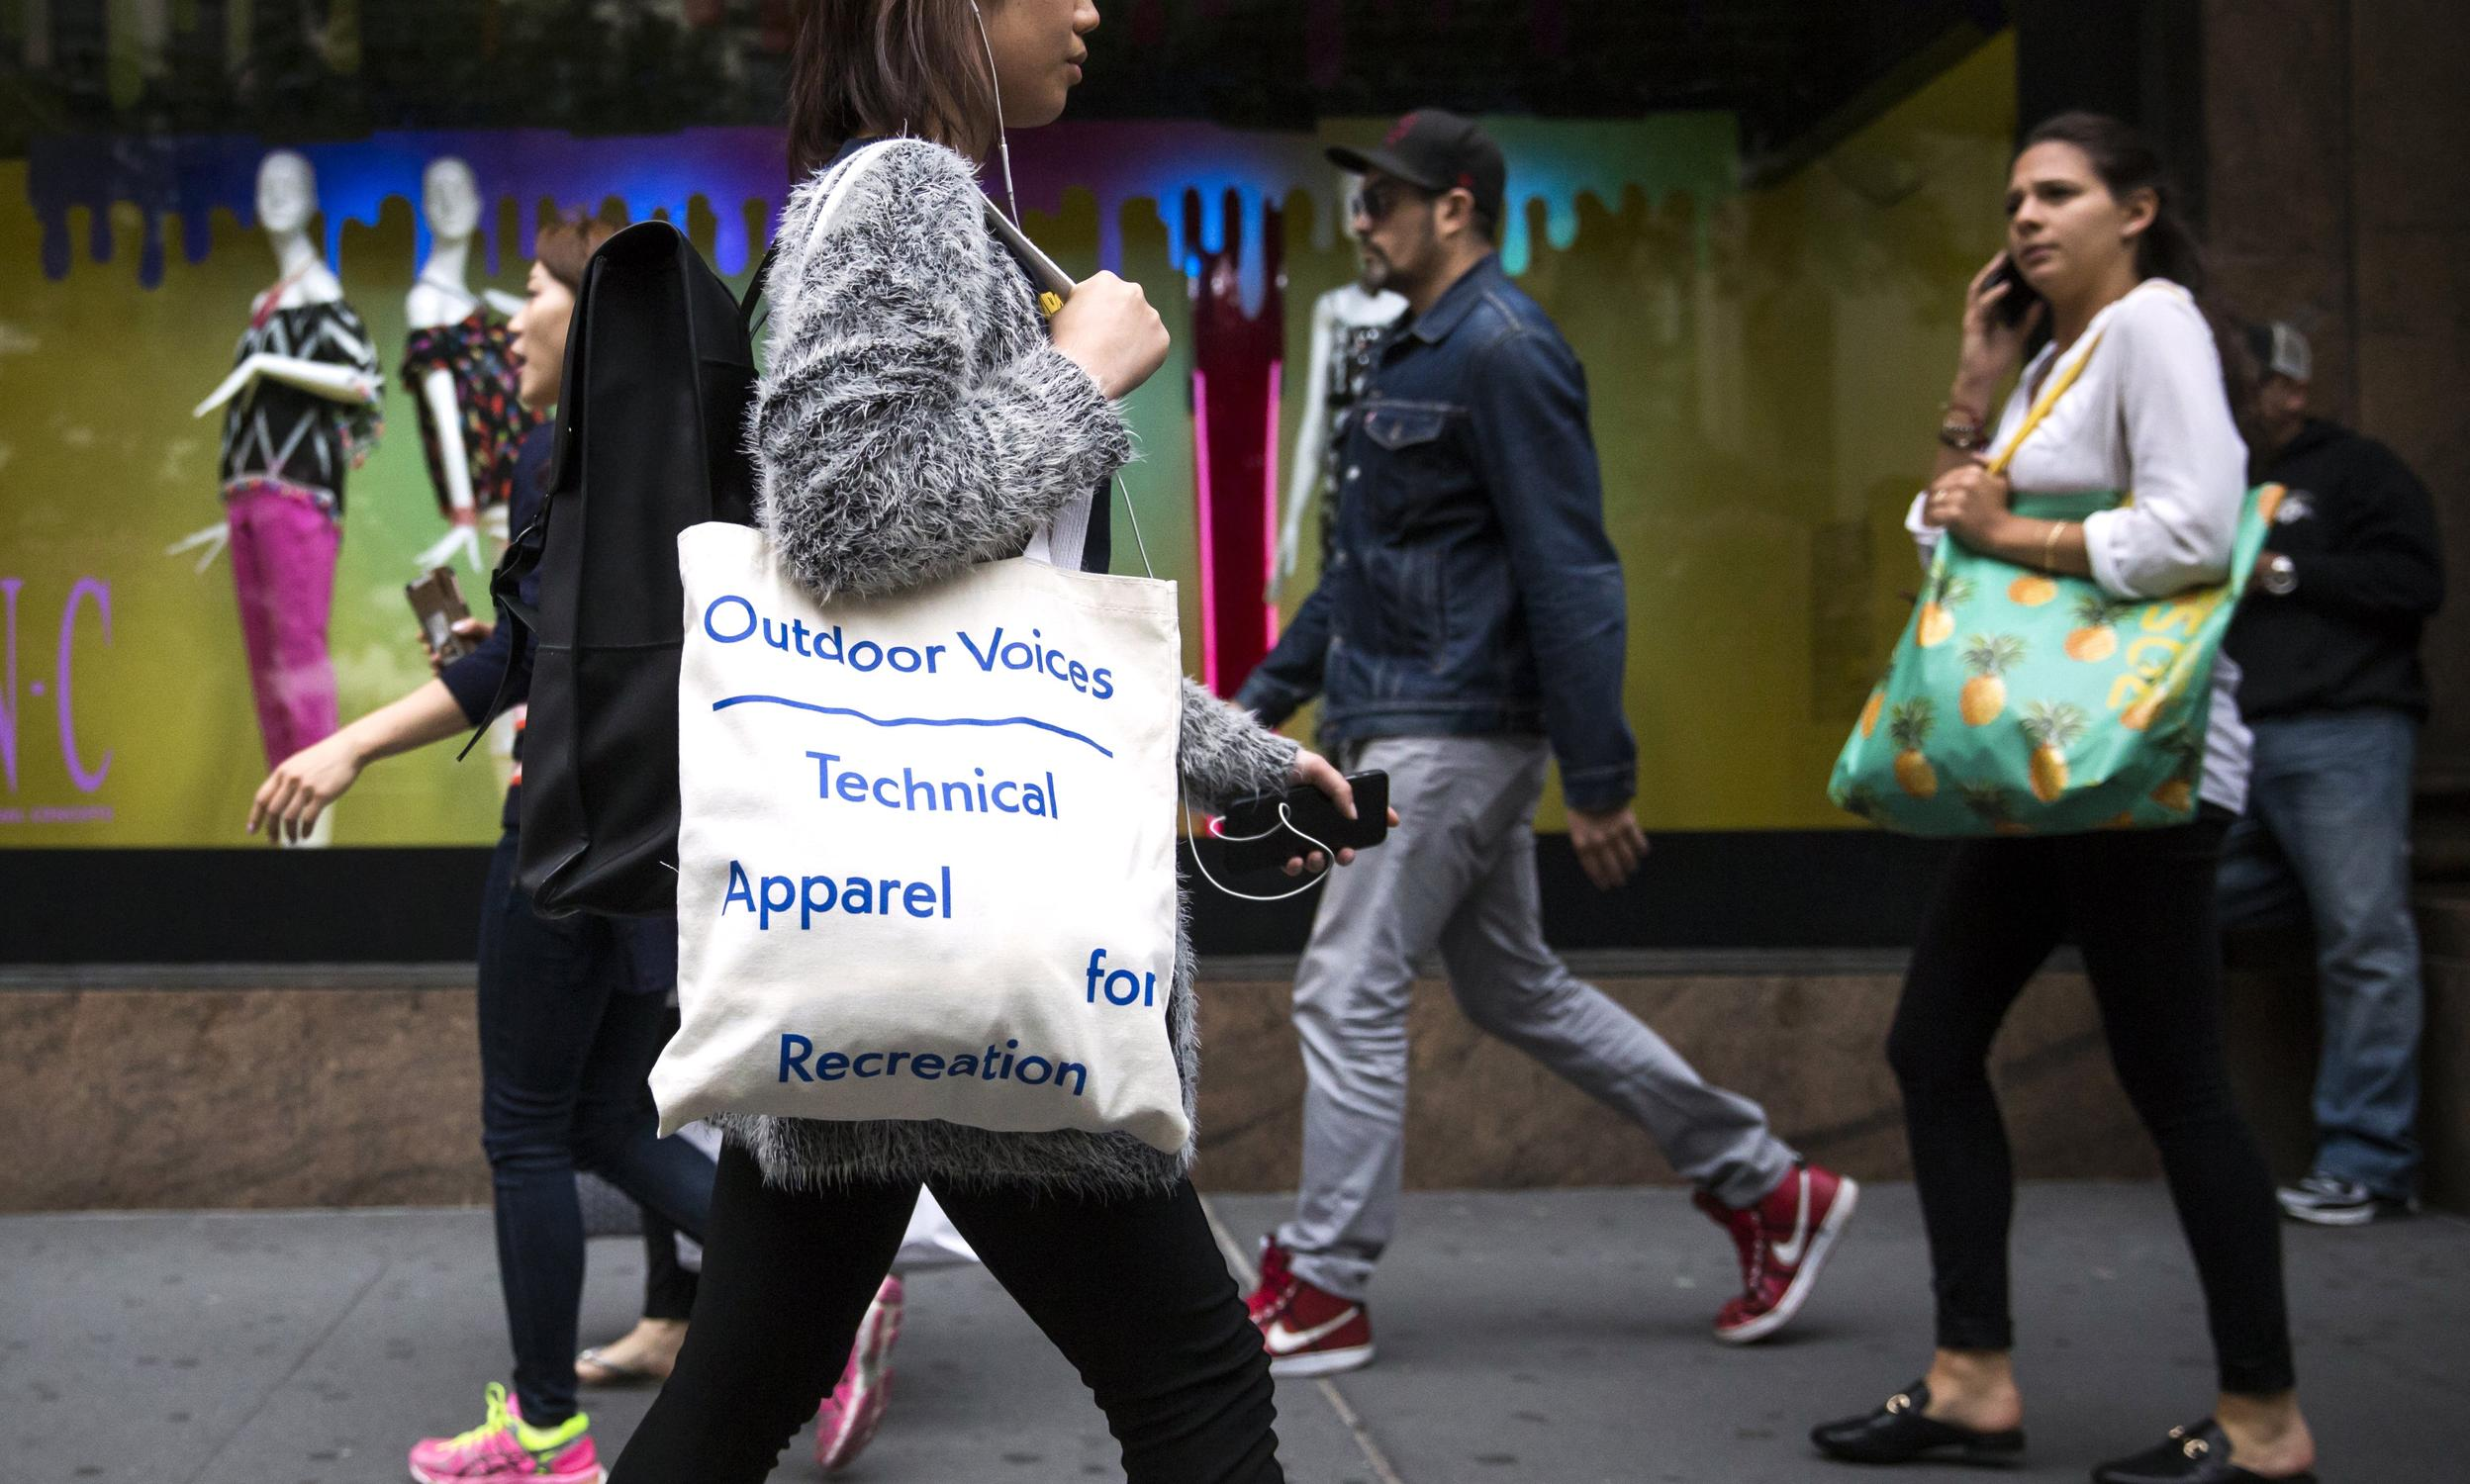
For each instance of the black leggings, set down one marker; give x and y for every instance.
(1132, 1290)
(668, 1288)
(2139, 905)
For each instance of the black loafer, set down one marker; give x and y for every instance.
(1897, 1432)
(2195, 1454)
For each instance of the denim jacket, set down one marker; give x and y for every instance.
(1470, 588)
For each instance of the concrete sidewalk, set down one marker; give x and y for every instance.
(1553, 1335)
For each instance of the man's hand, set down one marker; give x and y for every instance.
(1609, 843)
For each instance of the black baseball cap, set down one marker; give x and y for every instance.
(1440, 151)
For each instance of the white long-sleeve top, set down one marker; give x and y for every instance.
(2148, 416)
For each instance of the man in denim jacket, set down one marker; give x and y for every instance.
(1471, 610)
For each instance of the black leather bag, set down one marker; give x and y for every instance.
(651, 439)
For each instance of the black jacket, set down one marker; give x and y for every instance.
(473, 679)
(2360, 531)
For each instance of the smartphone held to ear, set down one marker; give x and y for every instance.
(2018, 301)
(1267, 830)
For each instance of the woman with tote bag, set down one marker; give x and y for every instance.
(2104, 270)
(917, 416)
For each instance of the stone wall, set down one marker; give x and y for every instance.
(356, 1094)
(357, 1087)
(2338, 198)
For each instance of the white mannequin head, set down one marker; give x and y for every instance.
(1349, 183)
(450, 198)
(287, 193)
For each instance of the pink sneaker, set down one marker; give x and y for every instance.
(506, 1450)
(855, 1409)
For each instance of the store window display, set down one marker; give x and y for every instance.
(458, 367)
(299, 412)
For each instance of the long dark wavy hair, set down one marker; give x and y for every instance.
(862, 67)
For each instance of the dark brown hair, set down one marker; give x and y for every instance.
(2168, 248)
(863, 68)
(566, 245)
(2127, 164)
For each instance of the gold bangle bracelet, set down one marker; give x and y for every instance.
(2049, 546)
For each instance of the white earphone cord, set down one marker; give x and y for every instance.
(1284, 818)
(1003, 139)
(1003, 148)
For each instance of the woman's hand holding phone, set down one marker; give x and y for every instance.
(1994, 332)
(1108, 329)
(1311, 768)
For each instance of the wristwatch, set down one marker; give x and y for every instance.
(2281, 575)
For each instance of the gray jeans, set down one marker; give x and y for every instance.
(1458, 875)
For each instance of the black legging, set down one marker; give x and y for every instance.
(2139, 905)
(668, 1288)
(1132, 1290)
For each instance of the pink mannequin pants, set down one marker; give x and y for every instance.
(283, 550)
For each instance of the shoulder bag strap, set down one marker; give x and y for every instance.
(2060, 381)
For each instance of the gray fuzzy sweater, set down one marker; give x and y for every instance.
(913, 419)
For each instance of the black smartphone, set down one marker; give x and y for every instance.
(2020, 297)
(1256, 837)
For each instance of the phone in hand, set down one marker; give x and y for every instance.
(2020, 298)
(1258, 836)
(438, 603)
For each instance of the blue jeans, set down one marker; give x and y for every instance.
(573, 1012)
(2328, 833)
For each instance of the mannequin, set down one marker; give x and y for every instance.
(457, 363)
(1346, 324)
(300, 411)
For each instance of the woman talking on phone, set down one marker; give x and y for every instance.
(2101, 271)
(916, 416)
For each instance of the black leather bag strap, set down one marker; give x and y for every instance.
(753, 295)
(521, 559)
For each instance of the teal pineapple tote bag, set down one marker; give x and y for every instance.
(2027, 702)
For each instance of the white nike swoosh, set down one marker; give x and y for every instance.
(1283, 1340)
(1790, 1252)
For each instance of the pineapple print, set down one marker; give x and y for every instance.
(2141, 715)
(1989, 805)
(2093, 639)
(1908, 723)
(2032, 591)
(2051, 729)
(1947, 594)
(2178, 796)
(1870, 712)
(1989, 657)
(1859, 799)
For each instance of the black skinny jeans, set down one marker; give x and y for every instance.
(1132, 1290)
(572, 1016)
(2139, 906)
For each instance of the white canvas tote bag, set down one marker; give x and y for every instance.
(926, 848)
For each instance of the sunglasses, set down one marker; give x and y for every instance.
(1375, 202)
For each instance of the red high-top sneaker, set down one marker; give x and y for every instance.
(1307, 1331)
(1783, 1241)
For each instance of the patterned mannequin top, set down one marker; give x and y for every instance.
(477, 351)
(274, 432)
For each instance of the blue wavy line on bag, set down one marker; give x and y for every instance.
(808, 705)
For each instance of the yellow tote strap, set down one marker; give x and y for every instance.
(2057, 387)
